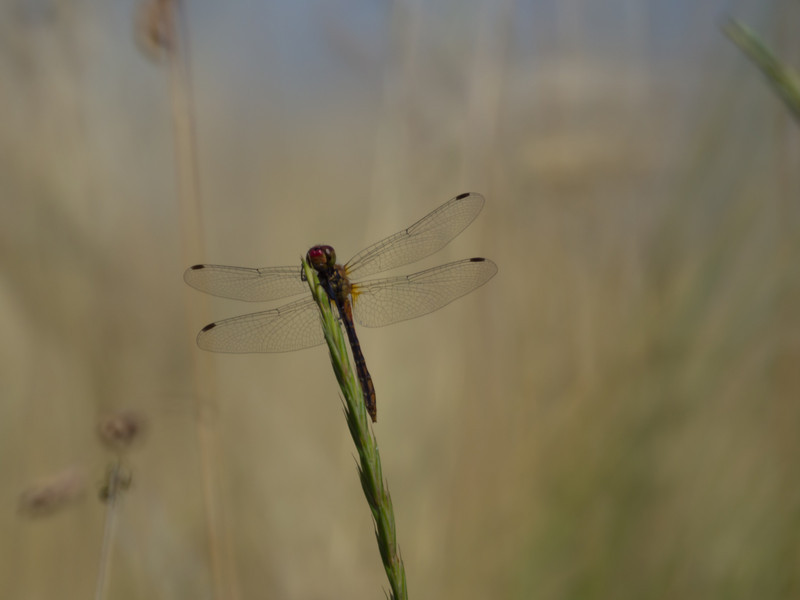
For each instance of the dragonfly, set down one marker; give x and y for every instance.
(370, 302)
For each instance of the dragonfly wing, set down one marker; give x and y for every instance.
(431, 233)
(384, 301)
(291, 327)
(251, 285)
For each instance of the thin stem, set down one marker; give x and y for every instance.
(370, 471)
(784, 80)
(110, 492)
(221, 555)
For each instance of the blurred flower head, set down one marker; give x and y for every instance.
(118, 431)
(154, 29)
(53, 493)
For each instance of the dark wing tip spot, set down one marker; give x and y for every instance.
(477, 259)
(196, 267)
(207, 327)
(464, 195)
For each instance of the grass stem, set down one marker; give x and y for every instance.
(115, 483)
(783, 79)
(369, 461)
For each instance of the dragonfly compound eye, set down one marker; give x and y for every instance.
(321, 256)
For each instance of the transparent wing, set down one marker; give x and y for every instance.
(385, 301)
(251, 285)
(423, 238)
(291, 327)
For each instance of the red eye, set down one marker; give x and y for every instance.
(321, 256)
(316, 254)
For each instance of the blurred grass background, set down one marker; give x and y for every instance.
(615, 415)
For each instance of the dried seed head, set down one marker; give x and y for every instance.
(155, 29)
(49, 495)
(119, 430)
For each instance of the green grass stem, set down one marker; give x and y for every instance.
(783, 79)
(369, 461)
(117, 481)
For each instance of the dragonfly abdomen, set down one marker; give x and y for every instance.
(364, 378)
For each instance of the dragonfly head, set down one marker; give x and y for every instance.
(321, 257)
